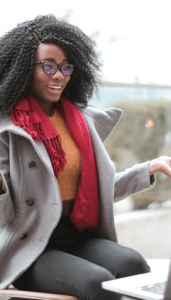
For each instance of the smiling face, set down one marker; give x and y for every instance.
(45, 88)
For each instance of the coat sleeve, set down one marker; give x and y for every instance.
(6, 205)
(132, 181)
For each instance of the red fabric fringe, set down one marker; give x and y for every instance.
(32, 123)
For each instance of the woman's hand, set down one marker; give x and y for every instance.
(160, 164)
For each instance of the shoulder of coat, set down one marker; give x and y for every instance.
(104, 116)
(3, 118)
(103, 119)
(6, 125)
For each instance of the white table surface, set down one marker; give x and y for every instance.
(158, 264)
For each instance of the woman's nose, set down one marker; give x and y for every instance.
(58, 75)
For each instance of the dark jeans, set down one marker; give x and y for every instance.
(76, 263)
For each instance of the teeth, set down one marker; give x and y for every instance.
(54, 87)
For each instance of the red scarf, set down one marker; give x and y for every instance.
(28, 114)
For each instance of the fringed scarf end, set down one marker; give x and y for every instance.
(59, 154)
(22, 118)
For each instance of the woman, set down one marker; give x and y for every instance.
(57, 181)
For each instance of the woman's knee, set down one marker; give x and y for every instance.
(133, 263)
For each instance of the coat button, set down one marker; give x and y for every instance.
(23, 236)
(30, 201)
(32, 165)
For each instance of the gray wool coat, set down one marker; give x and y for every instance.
(31, 206)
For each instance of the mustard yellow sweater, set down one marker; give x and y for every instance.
(68, 178)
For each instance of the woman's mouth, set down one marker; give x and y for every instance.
(54, 89)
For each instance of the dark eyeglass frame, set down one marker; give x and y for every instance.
(57, 67)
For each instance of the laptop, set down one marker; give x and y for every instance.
(149, 286)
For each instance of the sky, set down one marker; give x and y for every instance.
(133, 36)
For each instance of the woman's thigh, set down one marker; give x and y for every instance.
(58, 272)
(119, 260)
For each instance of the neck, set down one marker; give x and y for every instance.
(51, 111)
(47, 107)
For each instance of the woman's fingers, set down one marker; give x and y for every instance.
(160, 164)
(165, 158)
(165, 168)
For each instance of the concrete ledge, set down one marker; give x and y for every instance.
(147, 231)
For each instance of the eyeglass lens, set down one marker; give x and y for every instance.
(51, 68)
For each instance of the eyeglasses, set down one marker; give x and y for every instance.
(51, 68)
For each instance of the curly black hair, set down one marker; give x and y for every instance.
(17, 53)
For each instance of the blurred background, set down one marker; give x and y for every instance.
(133, 42)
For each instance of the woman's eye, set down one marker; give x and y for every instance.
(47, 67)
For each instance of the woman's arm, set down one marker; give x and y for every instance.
(140, 177)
